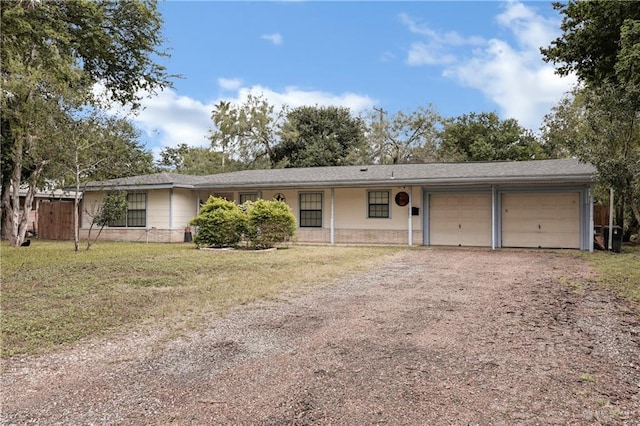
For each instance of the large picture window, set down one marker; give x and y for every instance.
(311, 210)
(378, 202)
(136, 211)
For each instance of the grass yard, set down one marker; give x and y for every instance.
(53, 296)
(619, 271)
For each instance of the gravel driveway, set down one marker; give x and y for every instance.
(431, 337)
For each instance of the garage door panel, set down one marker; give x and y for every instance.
(475, 237)
(460, 219)
(549, 220)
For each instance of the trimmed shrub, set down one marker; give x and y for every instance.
(269, 223)
(220, 223)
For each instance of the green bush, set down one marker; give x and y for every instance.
(220, 223)
(269, 223)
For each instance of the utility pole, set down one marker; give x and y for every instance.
(381, 134)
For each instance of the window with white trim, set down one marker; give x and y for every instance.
(136, 216)
(311, 210)
(378, 204)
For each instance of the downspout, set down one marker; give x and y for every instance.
(333, 219)
(410, 239)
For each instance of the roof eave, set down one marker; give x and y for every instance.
(577, 179)
(133, 187)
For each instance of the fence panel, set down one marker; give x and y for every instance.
(55, 220)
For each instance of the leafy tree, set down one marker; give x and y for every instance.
(600, 126)
(220, 223)
(54, 50)
(269, 223)
(594, 34)
(485, 137)
(601, 44)
(195, 160)
(112, 210)
(406, 138)
(321, 136)
(99, 147)
(247, 133)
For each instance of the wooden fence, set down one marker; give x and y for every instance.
(600, 215)
(55, 220)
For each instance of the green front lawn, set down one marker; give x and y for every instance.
(53, 296)
(619, 271)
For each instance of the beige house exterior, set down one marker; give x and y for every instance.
(544, 203)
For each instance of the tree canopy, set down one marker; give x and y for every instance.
(247, 131)
(406, 137)
(320, 136)
(594, 34)
(195, 160)
(485, 137)
(599, 122)
(54, 54)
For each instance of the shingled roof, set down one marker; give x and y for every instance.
(155, 181)
(542, 171)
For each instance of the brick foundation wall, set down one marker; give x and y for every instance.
(137, 234)
(358, 236)
(312, 236)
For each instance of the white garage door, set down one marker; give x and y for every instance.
(546, 220)
(460, 219)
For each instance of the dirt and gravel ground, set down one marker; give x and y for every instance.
(432, 337)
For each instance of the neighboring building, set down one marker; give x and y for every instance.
(544, 203)
(35, 221)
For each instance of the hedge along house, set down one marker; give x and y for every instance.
(540, 204)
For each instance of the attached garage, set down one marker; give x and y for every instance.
(460, 219)
(543, 219)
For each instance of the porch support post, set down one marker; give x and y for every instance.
(493, 217)
(171, 208)
(591, 224)
(610, 242)
(410, 227)
(333, 220)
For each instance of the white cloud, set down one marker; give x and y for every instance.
(168, 119)
(230, 84)
(424, 54)
(450, 38)
(513, 76)
(274, 38)
(437, 47)
(294, 97)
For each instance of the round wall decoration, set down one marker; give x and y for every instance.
(279, 197)
(402, 199)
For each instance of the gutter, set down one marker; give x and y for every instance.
(582, 179)
(137, 187)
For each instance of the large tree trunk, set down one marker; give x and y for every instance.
(12, 206)
(17, 213)
(5, 203)
(76, 202)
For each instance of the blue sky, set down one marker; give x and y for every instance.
(461, 57)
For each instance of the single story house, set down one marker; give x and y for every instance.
(540, 204)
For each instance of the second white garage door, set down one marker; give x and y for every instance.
(460, 219)
(547, 220)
